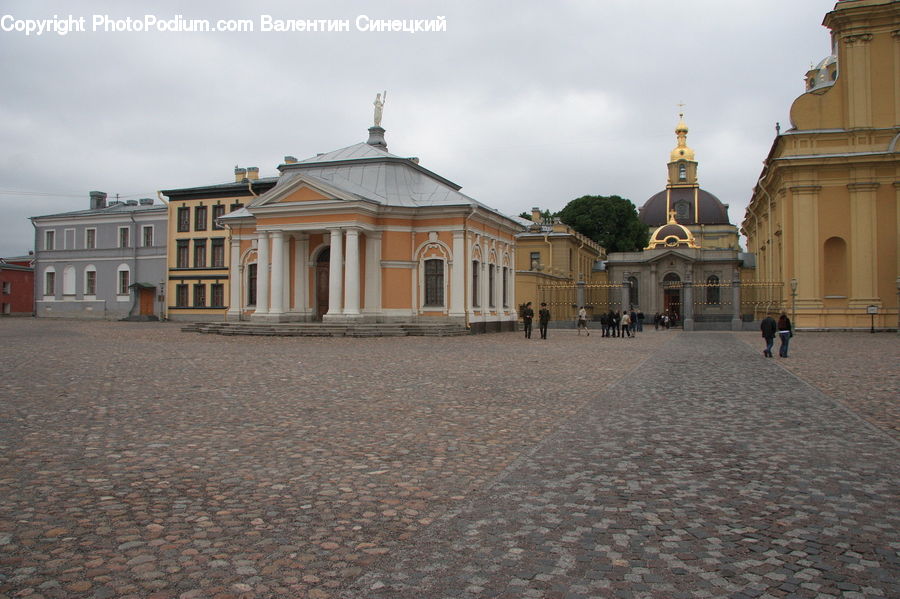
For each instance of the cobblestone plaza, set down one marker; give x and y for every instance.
(139, 461)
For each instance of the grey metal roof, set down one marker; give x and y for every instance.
(354, 152)
(109, 210)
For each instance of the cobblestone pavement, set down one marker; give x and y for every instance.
(710, 474)
(137, 461)
(859, 369)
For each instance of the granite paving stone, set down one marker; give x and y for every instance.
(138, 461)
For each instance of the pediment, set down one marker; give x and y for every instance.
(301, 189)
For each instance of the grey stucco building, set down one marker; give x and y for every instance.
(107, 262)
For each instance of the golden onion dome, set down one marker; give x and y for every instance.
(681, 151)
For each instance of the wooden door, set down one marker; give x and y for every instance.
(146, 301)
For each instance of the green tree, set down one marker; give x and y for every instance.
(611, 221)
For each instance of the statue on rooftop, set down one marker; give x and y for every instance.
(379, 107)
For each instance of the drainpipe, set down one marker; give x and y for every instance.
(134, 243)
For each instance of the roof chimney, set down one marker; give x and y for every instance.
(253, 173)
(98, 200)
(146, 201)
(290, 160)
(239, 174)
(536, 215)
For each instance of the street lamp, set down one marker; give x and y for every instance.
(794, 302)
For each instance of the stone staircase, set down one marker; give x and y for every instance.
(318, 329)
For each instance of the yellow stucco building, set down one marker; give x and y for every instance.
(197, 246)
(556, 265)
(824, 214)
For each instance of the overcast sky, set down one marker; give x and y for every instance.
(529, 103)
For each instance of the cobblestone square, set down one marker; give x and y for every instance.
(140, 461)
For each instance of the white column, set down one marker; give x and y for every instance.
(301, 273)
(276, 307)
(351, 274)
(262, 274)
(335, 273)
(373, 273)
(512, 280)
(234, 281)
(286, 275)
(458, 276)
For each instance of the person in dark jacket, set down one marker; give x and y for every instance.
(784, 334)
(543, 319)
(527, 317)
(768, 328)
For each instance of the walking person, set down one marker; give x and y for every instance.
(784, 334)
(768, 328)
(626, 324)
(582, 321)
(640, 321)
(614, 318)
(604, 325)
(527, 317)
(543, 319)
(633, 318)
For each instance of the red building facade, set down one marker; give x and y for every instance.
(17, 286)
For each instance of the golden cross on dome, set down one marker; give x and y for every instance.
(680, 108)
(672, 216)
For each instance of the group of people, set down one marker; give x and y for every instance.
(621, 323)
(543, 319)
(782, 328)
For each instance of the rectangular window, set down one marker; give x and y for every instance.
(491, 285)
(181, 296)
(147, 236)
(50, 283)
(123, 237)
(217, 295)
(199, 253)
(217, 211)
(475, 294)
(90, 239)
(434, 283)
(251, 284)
(505, 287)
(535, 260)
(218, 253)
(124, 282)
(182, 253)
(90, 282)
(49, 240)
(200, 295)
(69, 239)
(235, 206)
(200, 218)
(7, 287)
(184, 219)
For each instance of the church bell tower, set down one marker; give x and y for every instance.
(682, 166)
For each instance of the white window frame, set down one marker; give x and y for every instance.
(122, 295)
(88, 269)
(87, 245)
(52, 294)
(119, 237)
(444, 279)
(50, 240)
(144, 236)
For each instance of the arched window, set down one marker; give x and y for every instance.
(476, 266)
(69, 280)
(712, 290)
(434, 283)
(633, 296)
(90, 280)
(835, 267)
(682, 172)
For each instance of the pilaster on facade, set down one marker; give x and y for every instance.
(458, 276)
(806, 255)
(858, 69)
(863, 245)
(234, 276)
(373, 273)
